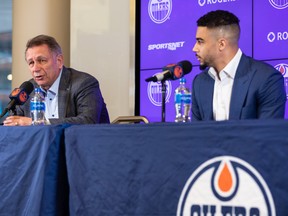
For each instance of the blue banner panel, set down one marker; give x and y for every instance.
(270, 29)
(168, 29)
(151, 94)
(217, 168)
(33, 179)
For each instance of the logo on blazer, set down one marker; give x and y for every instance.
(226, 185)
(154, 91)
(279, 4)
(159, 10)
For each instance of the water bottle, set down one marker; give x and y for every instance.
(182, 102)
(37, 108)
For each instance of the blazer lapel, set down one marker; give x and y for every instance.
(207, 97)
(64, 88)
(240, 88)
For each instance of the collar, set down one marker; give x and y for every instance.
(230, 69)
(55, 86)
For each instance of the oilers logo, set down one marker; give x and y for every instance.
(283, 68)
(154, 91)
(279, 4)
(226, 186)
(159, 10)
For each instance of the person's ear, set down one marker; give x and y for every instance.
(222, 44)
(60, 60)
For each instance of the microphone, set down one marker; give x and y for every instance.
(172, 72)
(18, 96)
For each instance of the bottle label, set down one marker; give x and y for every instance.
(37, 106)
(178, 98)
(186, 98)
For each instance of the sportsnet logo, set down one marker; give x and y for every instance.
(166, 46)
(154, 91)
(226, 186)
(159, 10)
(279, 4)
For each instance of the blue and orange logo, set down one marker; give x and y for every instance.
(226, 186)
(283, 68)
(20, 95)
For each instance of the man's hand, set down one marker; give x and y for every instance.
(17, 121)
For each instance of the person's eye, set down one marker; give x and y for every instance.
(42, 61)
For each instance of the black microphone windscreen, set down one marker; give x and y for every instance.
(186, 66)
(27, 86)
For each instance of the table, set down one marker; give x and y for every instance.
(237, 167)
(33, 176)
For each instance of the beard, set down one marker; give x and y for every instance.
(203, 66)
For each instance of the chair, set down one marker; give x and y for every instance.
(130, 120)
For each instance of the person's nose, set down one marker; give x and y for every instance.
(195, 48)
(36, 67)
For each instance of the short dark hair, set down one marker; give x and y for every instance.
(218, 18)
(44, 39)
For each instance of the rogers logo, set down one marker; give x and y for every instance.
(279, 36)
(226, 185)
(209, 2)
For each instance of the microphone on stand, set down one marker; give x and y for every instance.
(172, 72)
(18, 96)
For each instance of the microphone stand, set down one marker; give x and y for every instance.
(163, 99)
(11, 112)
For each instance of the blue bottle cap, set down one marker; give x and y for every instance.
(183, 80)
(37, 90)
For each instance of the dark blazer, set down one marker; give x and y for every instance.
(257, 93)
(79, 101)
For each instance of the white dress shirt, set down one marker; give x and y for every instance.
(223, 88)
(51, 99)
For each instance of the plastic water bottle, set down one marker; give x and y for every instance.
(182, 102)
(37, 108)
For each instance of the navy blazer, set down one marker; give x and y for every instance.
(258, 92)
(79, 100)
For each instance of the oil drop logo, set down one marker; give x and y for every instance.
(223, 186)
(283, 68)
